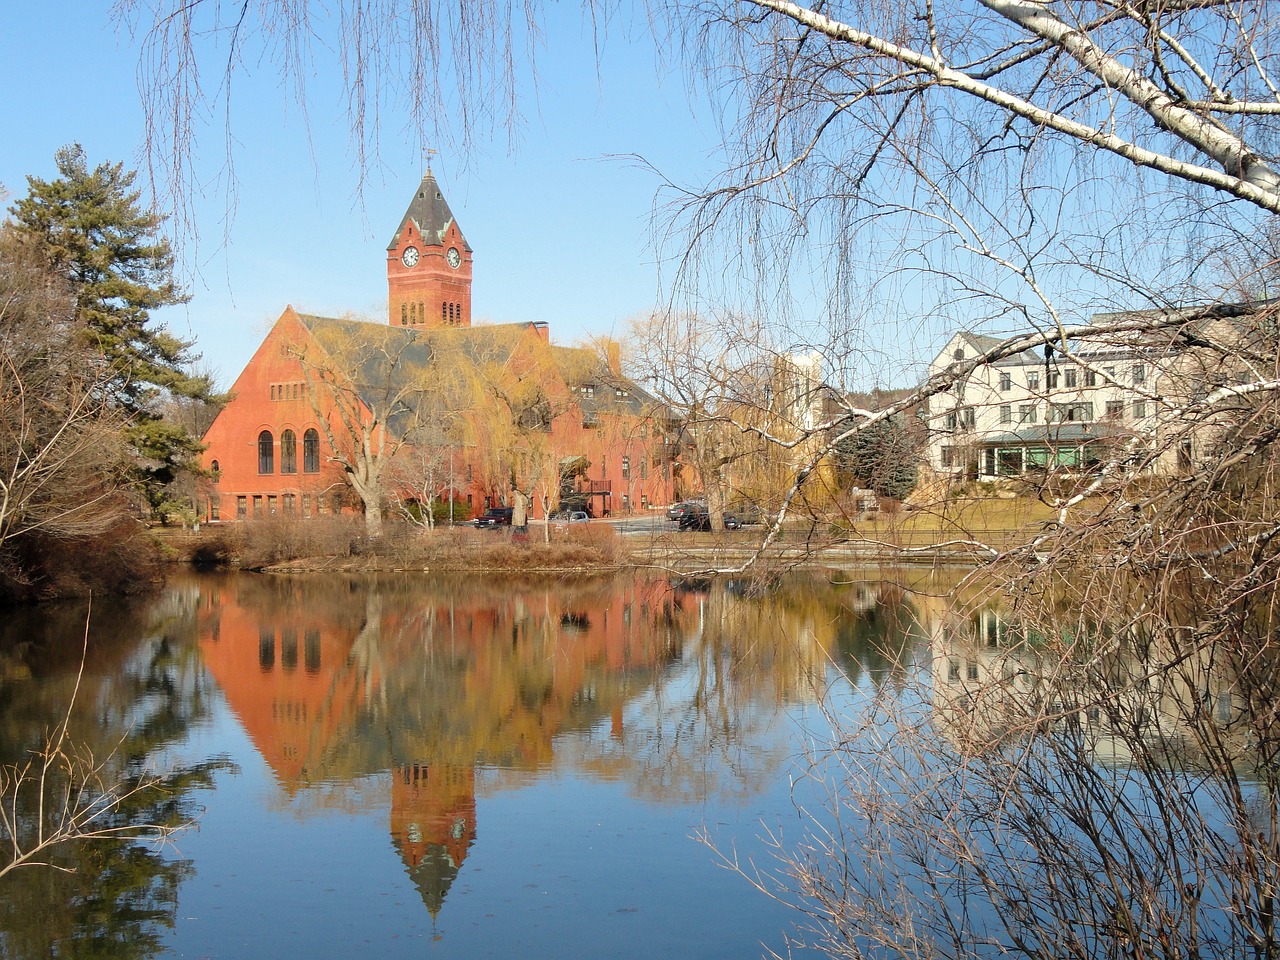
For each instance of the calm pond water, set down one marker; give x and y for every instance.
(410, 767)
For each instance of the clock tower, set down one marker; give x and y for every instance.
(429, 264)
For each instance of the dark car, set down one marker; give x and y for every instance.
(677, 511)
(494, 517)
(700, 519)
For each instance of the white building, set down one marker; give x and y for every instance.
(1111, 394)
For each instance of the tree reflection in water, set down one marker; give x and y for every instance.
(109, 898)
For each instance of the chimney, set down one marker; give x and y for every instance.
(541, 329)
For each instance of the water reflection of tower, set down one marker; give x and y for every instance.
(433, 824)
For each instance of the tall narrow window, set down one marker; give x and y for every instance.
(266, 452)
(444, 313)
(413, 313)
(216, 470)
(288, 452)
(311, 451)
(404, 314)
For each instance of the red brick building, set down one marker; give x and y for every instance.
(273, 448)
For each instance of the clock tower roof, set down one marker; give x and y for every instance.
(430, 215)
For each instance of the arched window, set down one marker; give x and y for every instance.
(404, 314)
(459, 312)
(266, 453)
(216, 470)
(311, 451)
(422, 312)
(444, 313)
(288, 452)
(413, 314)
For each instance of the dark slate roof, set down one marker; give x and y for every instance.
(391, 356)
(429, 212)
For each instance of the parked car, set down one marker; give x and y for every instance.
(494, 517)
(747, 512)
(701, 520)
(565, 518)
(677, 510)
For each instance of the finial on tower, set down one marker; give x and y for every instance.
(429, 154)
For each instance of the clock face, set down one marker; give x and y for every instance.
(454, 257)
(410, 256)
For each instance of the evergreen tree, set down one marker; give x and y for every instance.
(91, 230)
(883, 458)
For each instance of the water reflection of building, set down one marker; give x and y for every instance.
(273, 649)
(424, 680)
(992, 679)
(433, 824)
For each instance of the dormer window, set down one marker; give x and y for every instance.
(958, 353)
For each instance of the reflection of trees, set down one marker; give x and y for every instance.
(1058, 785)
(703, 728)
(107, 898)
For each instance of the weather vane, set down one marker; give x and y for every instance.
(429, 153)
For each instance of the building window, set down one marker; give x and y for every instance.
(1139, 373)
(953, 671)
(948, 456)
(1051, 380)
(1006, 413)
(287, 501)
(271, 504)
(1115, 409)
(413, 314)
(215, 510)
(1070, 412)
(470, 474)
(288, 452)
(1091, 378)
(216, 471)
(971, 670)
(257, 506)
(404, 315)
(266, 453)
(1033, 381)
(306, 504)
(311, 451)
(1073, 378)
(336, 502)
(958, 353)
(626, 468)
(1139, 409)
(242, 507)
(1027, 413)
(644, 468)
(1006, 382)
(588, 389)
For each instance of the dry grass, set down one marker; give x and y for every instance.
(335, 543)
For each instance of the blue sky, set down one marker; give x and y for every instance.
(561, 232)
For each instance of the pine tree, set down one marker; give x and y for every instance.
(89, 227)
